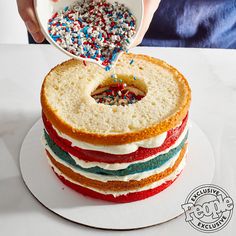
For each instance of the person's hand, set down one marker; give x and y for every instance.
(26, 11)
(150, 6)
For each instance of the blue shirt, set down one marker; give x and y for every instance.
(193, 23)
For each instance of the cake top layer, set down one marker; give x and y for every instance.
(67, 102)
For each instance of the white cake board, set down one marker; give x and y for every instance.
(60, 199)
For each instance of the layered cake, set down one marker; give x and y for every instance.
(118, 135)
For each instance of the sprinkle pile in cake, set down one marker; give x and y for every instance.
(118, 94)
(93, 29)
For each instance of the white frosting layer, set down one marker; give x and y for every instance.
(104, 178)
(172, 176)
(120, 166)
(116, 149)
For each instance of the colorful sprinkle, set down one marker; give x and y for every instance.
(93, 29)
(131, 62)
(114, 76)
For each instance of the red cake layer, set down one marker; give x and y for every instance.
(130, 197)
(96, 156)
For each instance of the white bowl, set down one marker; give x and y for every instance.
(46, 8)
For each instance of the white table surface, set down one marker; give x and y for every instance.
(212, 76)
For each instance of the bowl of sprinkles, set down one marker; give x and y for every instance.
(91, 30)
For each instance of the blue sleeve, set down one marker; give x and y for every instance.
(193, 23)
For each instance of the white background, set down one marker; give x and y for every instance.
(212, 76)
(12, 27)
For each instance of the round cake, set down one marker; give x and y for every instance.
(118, 135)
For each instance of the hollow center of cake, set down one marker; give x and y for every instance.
(119, 94)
